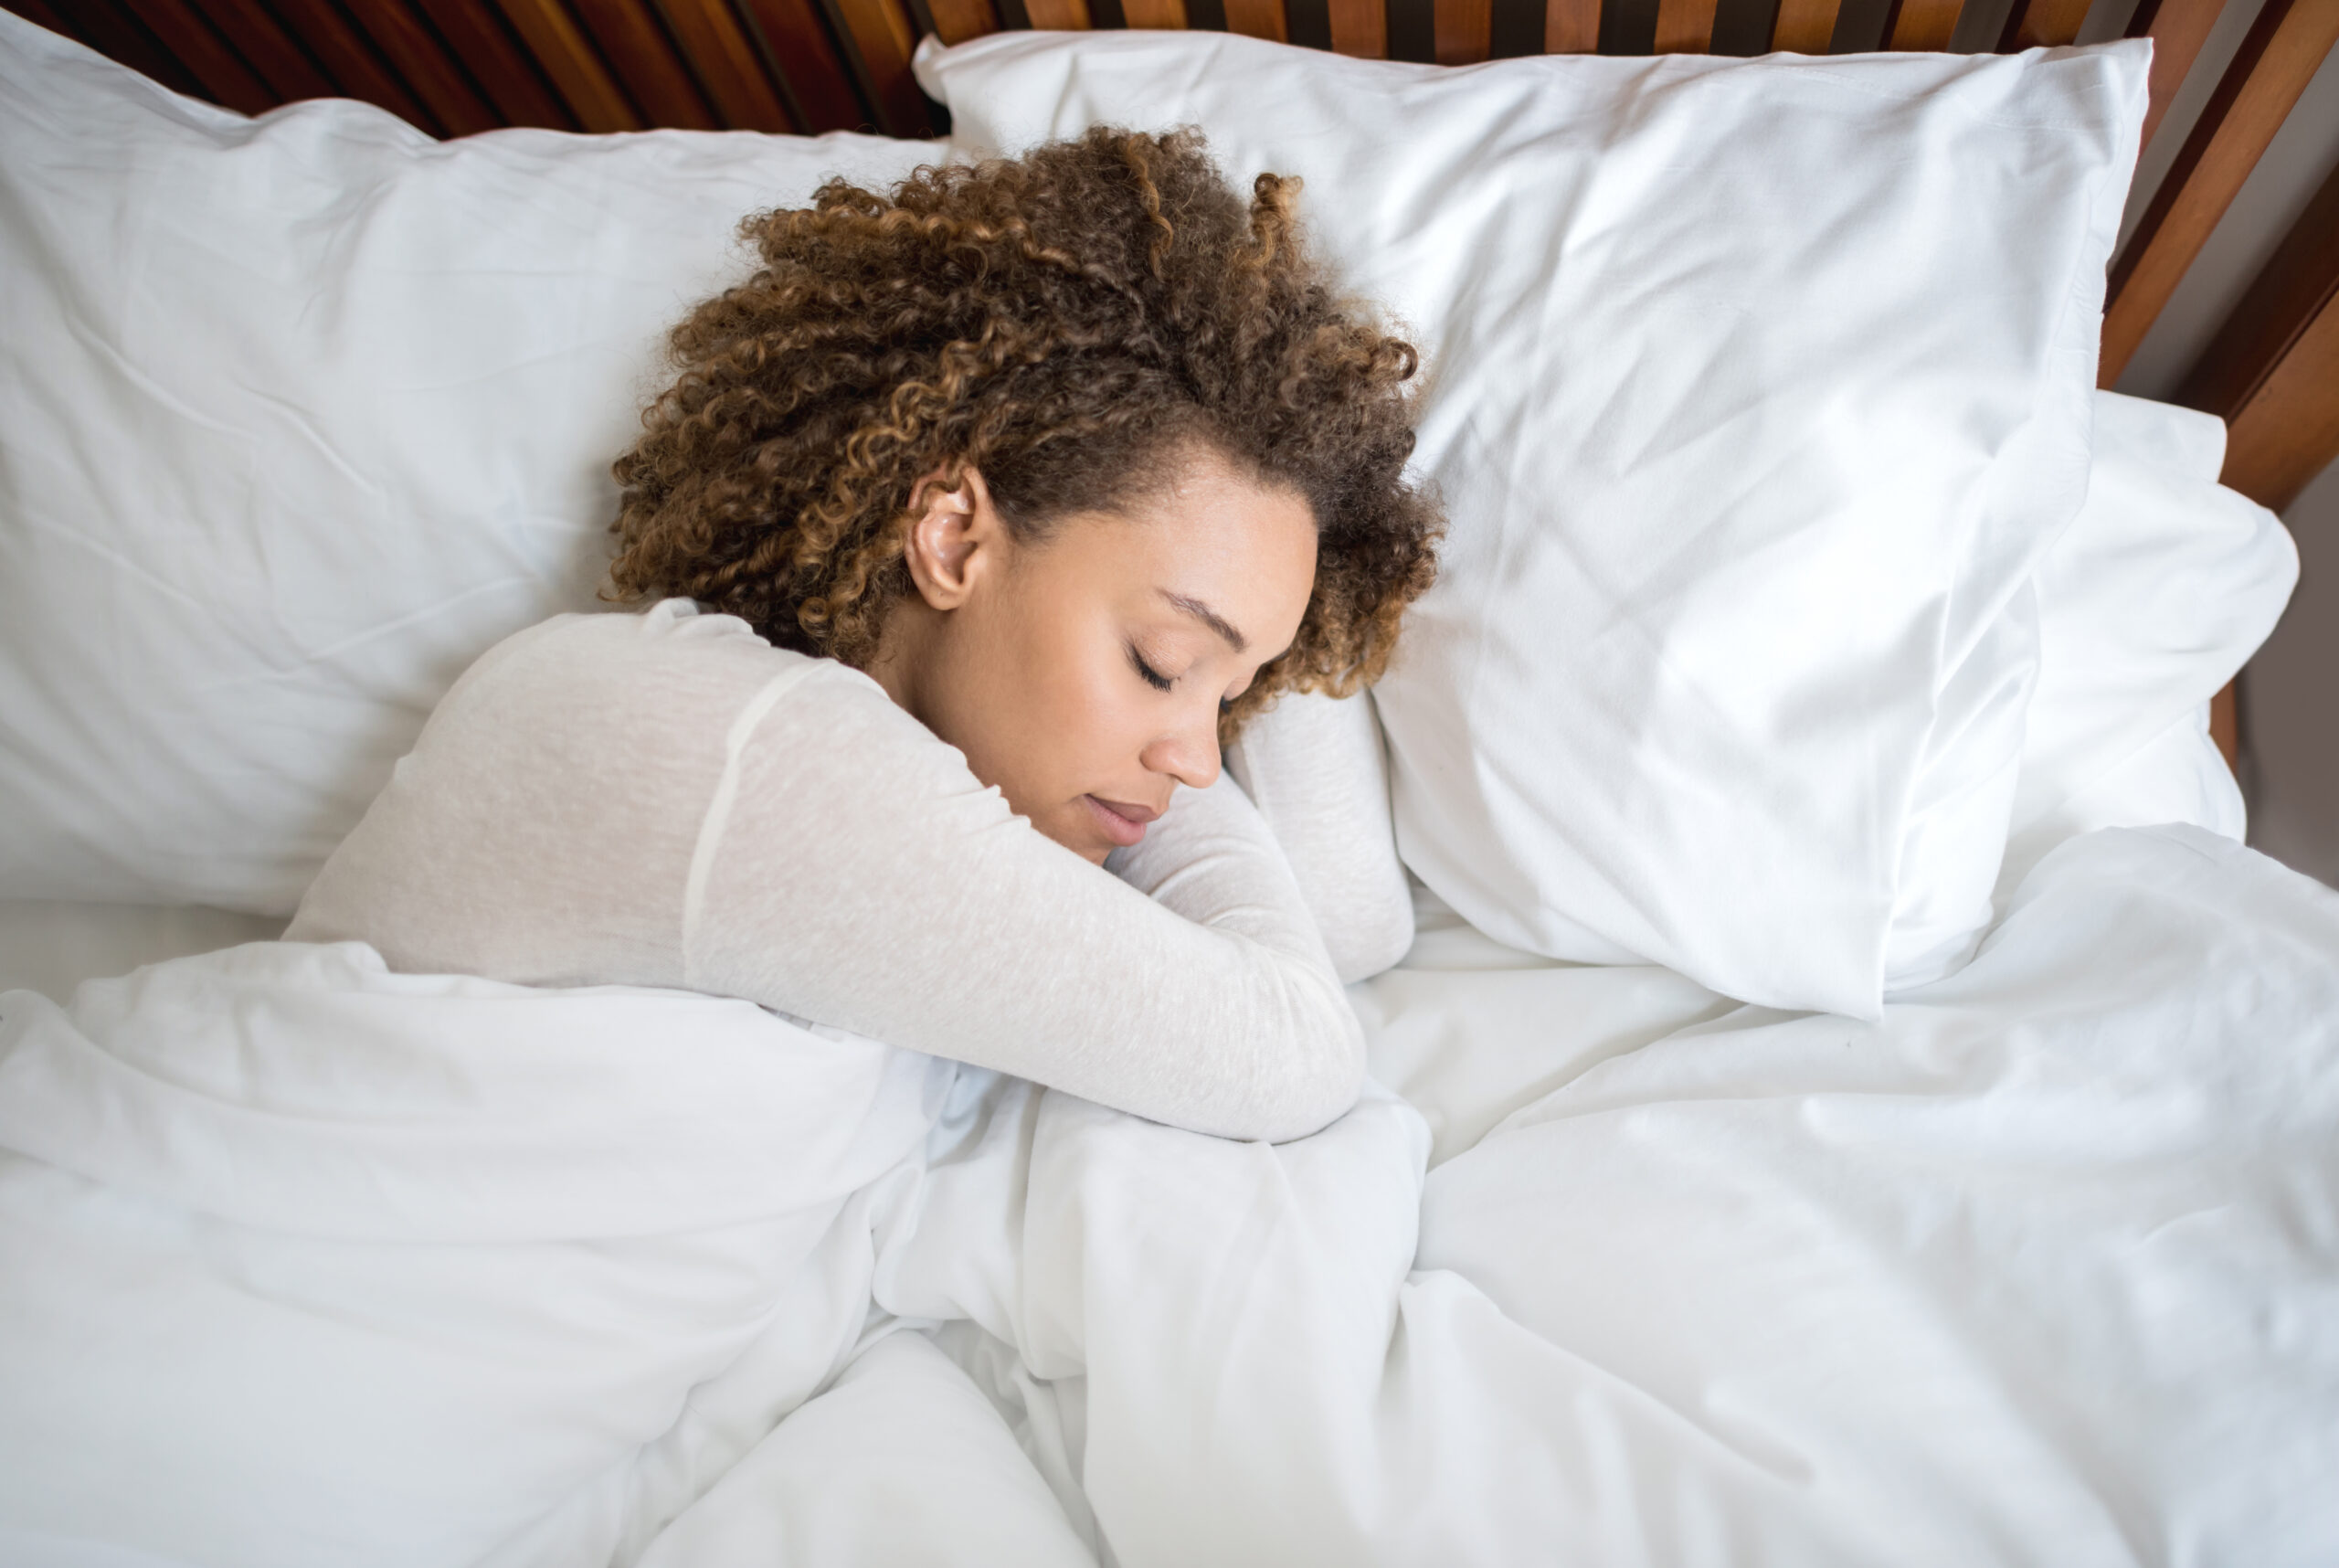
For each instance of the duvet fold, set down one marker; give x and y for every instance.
(302, 1261)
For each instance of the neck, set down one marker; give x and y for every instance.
(901, 648)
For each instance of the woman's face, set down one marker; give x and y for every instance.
(1083, 674)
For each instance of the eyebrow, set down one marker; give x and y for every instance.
(1208, 617)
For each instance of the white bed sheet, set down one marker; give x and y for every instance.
(2042, 1267)
(52, 945)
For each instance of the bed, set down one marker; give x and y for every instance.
(1876, 1111)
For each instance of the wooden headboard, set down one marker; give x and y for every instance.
(454, 67)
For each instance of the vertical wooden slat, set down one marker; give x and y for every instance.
(1058, 15)
(879, 32)
(1465, 30)
(1685, 26)
(413, 51)
(567, 57)
(816, 76)
(2273, 371)
(1307, 24)
(2277, 59)
(1265, 19)
(1359, 30)
(511, 81)
(350, 60)
(1805, 26)
(38, 12)
(1917, 25)
(723, 58)
(2288, 430)
(272, 53)
(2177, 29)
(1412, 30)
(2041, 24)
(637, 49)
(1149, 14)
(114, 33)
(956, 21)
(226, 78)
(1571, 26)
(2225, 723)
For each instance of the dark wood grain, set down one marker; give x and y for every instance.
(2177, 29)
(1361, 28)
(820, 87)
(38, 13)
(570, 62)
(413, 50)
(956, 21)
(1264, 19)
(1465, 30)
(2036, 24)
(2277, 59)
(1685, 26)
(879, 33)
(2273, 371)
(1915, 24)
(723, 58)
(635, 46)
(107, 27)
(1805, 26)
(350, 59)
(1571, 26)
(223, 74)
(270, 51)
(492, 58)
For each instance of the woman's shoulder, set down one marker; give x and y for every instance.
(674, 663)
(672, 657)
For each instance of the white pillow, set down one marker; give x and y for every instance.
(1756, 389)
(2159, 589)
(297, 417)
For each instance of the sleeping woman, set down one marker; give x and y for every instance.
(976, 522)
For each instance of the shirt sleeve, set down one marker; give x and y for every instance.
(858, 874)
(1318, 769)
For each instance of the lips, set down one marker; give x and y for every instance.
(1123, 822)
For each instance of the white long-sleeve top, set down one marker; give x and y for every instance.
(666, 800)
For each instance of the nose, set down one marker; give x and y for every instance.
(1187, 754)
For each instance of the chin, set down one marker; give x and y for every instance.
(1079, 838)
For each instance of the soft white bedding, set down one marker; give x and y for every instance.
(52, 945)
(2043, 1266)
(304, 1262)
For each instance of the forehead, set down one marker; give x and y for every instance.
(1206, 533)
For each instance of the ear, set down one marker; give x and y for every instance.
(955, 536)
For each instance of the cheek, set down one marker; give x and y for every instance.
(1044, 704)
(1088, 705)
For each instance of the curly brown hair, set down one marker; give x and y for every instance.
(1066, 323)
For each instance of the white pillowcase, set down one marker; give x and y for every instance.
(2163, 586)
(297, 417)
(1756, 390)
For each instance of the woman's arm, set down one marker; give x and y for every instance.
(1317, 767)
(865, 879)
(666, 800)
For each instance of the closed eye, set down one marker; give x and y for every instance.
(1153, 677)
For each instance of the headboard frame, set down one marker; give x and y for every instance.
(454, 67)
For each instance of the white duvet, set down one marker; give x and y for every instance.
(302, 1262)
